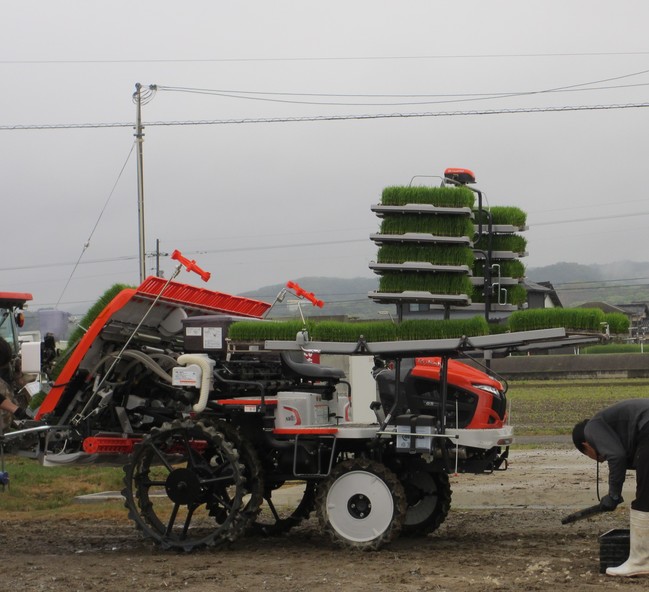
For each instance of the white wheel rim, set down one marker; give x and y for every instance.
(342, 508)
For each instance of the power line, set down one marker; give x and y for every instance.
(315, 118)
(597, 288)
(578, 283)
(283, 246)
(334, 58)
(94, 228)
(198, 252)
(592, 219)
(465, 98)
(271, 96)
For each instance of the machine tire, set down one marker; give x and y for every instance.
(254, 478)
(200, 472)
(273, 521)
(428, 495)
(361, 504)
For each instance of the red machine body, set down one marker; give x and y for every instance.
(480, 399)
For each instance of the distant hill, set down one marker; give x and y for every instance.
(341, 297)
(622, 282)
(616, 283)
(565, 273)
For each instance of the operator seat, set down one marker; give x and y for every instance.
(386, 383)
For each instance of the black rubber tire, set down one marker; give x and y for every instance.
(273, 521)
(428, 495)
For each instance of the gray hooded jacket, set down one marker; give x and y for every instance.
(613, 432)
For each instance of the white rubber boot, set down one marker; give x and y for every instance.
(638, 562)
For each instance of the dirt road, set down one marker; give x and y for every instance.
(503, 533)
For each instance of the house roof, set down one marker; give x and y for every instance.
(545, 288)
(604, 306)
(637, 309)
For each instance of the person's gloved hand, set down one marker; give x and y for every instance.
(608, 503)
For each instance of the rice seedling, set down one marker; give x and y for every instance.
(516, 295)
(588, 319)
(82, 327)
(435, 283)
(436, 225)
(618, 323)
(449, 197)
(448, 329)
(371, 331)
(435, 254)
(511, 268)
(504, 215)
(503, 242)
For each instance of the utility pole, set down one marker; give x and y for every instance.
(139, 138)
(158, 271)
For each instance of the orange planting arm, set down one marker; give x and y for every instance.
(302, 293)
(190, 265)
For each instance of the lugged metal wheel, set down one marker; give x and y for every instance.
(277, 518)
(254, 490)
(429, 501)
(361, 504)
(184, 487)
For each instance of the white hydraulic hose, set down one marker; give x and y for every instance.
(204, 364)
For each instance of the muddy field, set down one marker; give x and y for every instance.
(504, 532)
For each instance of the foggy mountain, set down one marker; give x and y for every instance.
(616, 283)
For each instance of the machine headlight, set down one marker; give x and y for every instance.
(488, 388)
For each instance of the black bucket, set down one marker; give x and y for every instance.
(613, 548)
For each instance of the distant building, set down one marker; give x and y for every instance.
(539, 295)
(637, 313)
(542, 295)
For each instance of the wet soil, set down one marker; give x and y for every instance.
(504, 532)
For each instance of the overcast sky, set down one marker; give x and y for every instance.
(259, 202)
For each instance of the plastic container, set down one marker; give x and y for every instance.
(415, 424)
(613, 548)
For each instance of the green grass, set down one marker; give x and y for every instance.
(50, 488)
(616, 348)
(435, 225)
(438, 196)
(554, 407)
(435, 254)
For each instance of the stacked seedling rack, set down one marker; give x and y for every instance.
(437, 246)
(498, 272)
(425, 246)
